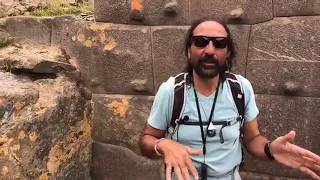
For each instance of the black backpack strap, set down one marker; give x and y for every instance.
(178, 101)
(237, 94)
(239, 100)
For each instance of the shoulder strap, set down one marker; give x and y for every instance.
(237, 94)
(178, 100)
(239, 99)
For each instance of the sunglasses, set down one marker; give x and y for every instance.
(203, 41)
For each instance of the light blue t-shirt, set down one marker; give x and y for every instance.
(220, 158)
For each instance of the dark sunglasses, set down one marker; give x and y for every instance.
(203, 41)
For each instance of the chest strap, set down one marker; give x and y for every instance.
(224, 124)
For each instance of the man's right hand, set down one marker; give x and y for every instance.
(177, 156)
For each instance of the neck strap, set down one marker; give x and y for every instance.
(210, 117)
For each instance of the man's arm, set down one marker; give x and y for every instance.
(253, 140)
(148, 140)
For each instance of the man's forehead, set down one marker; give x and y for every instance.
(210, 28)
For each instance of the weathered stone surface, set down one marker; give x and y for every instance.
(120, 120)
(293, 56)
(114, 162)
(254, 176)
(112, 55)
(296, 8)
(278, 116)
(152, 12)
(30, 29)
(168, 50)
(46, 131)
(276, 74)
(17, 89)
(251, 11)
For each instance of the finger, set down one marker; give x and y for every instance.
(168, 172)
(185, 173)
(288, 137)
(192, 168)
(311, 163)
(309, 172)
(193, 151)
(177, 171)
(309, 154)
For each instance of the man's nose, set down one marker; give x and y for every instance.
(210, 49)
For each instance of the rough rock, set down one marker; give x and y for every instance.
(278, 116)
(254, 11)
(37, 61)
(46, 132)
(255, 176)
(115, 162)
(144, 12)
(119, 120)
(110, 56)
(293, 55)
(31, 30)
(296, 8)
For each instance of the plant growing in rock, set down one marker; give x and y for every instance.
(61, 7)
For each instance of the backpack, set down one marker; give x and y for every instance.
(180, 86)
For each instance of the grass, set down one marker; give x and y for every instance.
(60, 7)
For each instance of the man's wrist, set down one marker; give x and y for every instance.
(268, 151)
(158, 148)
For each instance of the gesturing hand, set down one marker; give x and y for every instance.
(294, 156)
(176, 156)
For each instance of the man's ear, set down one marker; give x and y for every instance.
(189, 53)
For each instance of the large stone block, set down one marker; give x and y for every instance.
(296, 8)
(244, 11)
(284, 56)
(255, 176)
(43, 130)
(142, 12)
(120, 120)
(31, 30)
(168, 50)
(115, 162)
(278, 116)
(112, 58)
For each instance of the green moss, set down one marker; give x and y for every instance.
(5, 41)
(60, 7)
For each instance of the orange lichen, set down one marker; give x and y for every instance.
(119, 108)
(102, 37)
(22, 135)
(111, 44)
(67, 148)
(19, 105)
(88, 43)
(136, 5)
(81, 37)
(5, 170)
(33, 136)
(44, 177)
(2, 100)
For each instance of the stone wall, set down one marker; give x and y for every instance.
(136, 45)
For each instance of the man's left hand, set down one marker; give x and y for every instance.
(294, 156)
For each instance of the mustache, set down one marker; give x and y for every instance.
(208, 59)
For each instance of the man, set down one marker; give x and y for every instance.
(193, 152)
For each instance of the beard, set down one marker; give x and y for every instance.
(207, 71)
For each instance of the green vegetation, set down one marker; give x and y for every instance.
(5, 41)
(60, 7)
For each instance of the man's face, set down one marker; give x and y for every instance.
(208, 58)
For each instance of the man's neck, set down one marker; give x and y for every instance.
(205, 86)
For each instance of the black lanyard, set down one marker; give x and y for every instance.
(210, 117)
